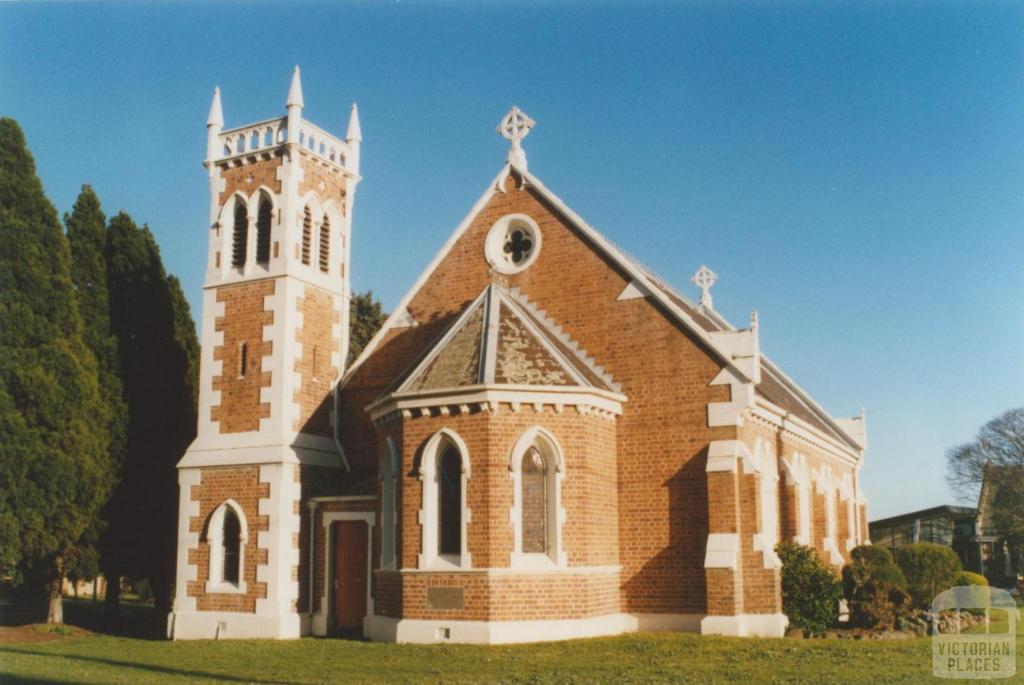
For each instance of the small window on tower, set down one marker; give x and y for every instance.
(254, 140)
(307, 234)
(268, 137)
(240, 144)
(243, 359)
(240, 233)
(325, 244)
(263, 231)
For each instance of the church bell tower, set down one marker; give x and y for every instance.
(274, 342)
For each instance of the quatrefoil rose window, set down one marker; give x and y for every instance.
(512, 244)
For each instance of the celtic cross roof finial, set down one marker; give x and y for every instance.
(704, 279)
(514, 127)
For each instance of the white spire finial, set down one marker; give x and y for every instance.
(216, 117)
(295, 91)
(514, 127)
(355, 133)
(704, 279)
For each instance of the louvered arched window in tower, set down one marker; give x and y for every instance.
(307, 234)
(263, 218)
(239, 234)
(325, 244)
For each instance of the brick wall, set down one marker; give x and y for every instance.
(334, 185)
(262, 173)
(240, 408)
(663, 434)
(217, 485)
(315, 367)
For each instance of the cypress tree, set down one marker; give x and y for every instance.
(86, 230)
(366, 316)
(157, 353)
(54, 462)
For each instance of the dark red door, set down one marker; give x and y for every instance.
(350, 570)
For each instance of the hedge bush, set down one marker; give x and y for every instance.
(810, 591)
(875, 588)
(929, 569)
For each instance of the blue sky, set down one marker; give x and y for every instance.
(854, 171)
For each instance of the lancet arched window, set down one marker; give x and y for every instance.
(232, 543)
(240, 234)
(444, 472)
(263, 219)
(449, 502)
(537, 469)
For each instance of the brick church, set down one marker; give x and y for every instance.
(544, 441)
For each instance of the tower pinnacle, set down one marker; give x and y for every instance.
(295, 91)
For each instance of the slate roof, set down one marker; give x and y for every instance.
(501, 339)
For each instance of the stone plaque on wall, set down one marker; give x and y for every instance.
(444, 598)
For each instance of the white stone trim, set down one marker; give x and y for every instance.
(634, 290)
(741, 398)
(187, 540)
(798, 475)
(284, 527)
(557, 396)
(803, 432)
(321, 619)
(554, 455)
(428, 514)
(724, 456)
(495, 240)
(723, 551)
(384, 629)
(745, 625)
(506, 571)
(214, 532)
(232, 625)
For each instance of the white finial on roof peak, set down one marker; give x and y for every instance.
(295, 91)
(704, 279)
(514, 127)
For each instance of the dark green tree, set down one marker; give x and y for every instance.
(86, 230)
(157, 353)
(54, 443)
(365, 319)
(810, 591)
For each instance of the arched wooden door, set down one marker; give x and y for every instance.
(351, 581)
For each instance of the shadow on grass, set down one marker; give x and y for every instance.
(6, 677)
(137, 621)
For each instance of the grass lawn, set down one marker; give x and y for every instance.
(638, 658)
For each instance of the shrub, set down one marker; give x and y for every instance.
(875, 587)
(966, 578)
(929, 569)
(810, 591)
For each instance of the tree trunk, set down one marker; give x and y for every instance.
(111, 602)
(55, 608)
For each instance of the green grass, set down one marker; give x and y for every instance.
(636, 658)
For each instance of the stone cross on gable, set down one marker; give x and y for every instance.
(514, 127)
(704, 279)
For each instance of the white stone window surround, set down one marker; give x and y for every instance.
(500, 234)
(555, 557)
(766, 470)
(429, 559)
(846, 494)
(798, 475)
(826, 485)
(215, 583)
(388, 476)
(226, 229)
(329, 518)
